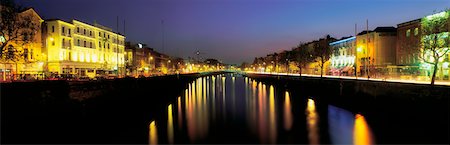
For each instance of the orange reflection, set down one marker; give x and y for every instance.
(152, 133)
(287, 112)
(197, 111)
(361, 133)
(262, 116)
(272, 115)
(180, 112)
(170, 124)
(312, 122)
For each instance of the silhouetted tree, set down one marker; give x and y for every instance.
(435, 40)
(16, 31)
(302, 56)
(322, 52)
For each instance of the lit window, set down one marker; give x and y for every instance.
(408, 32)
(31, 53)
(416, 31)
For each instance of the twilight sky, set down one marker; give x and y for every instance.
(235, 30)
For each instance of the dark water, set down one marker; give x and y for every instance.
(235, 109)
(226, 108)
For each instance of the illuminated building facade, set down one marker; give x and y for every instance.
(343, 56)
(141, 60)
(409, 44)
(376, 49)
(28, 59)
(82, 49)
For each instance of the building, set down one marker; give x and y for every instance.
(376, 50)
(140, 59)
(343, 56)
(23, 56)
(82, 49)
(409, 44)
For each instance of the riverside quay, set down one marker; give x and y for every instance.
(224, 72)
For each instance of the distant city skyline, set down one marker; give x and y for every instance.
(235, 31)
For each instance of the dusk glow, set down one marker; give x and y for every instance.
(220, 28)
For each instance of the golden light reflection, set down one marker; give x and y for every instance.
(180, 112)
(196, 110)
(262, 116)
(223, 98)
(152, 133)
(272, 116)
(362, 134)
(312, 122)
(170, 124)
(287, 112)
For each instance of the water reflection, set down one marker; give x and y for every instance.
(197, 110)
(152, 133)
(170, 124)
(347, 128)
(272, 116)
(287, 112)
(206, 97)
(312, 120)
(362, 134)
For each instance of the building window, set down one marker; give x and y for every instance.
(69, 31)
(78, 42)
(108, 45)
(108, 36)
(416, 31)
(90, 33)
(31, 54)
(90, 44)
(53, 29)
(63, 29)
(70, 42)
(78, 29)
(63, 43)
(99, 34)
(100, 44)
(84, 44)
(408, 32)
(84, 31)
(104, 35)
(70, 56)
(25, 54)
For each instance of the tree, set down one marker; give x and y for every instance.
(15, 30)
(322, 52)
(302, 56)
(435, 40)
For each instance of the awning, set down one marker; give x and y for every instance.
(345, 69)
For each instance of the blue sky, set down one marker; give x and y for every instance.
(235, 30)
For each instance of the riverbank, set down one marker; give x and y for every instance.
(39, 111)
(403, 101)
